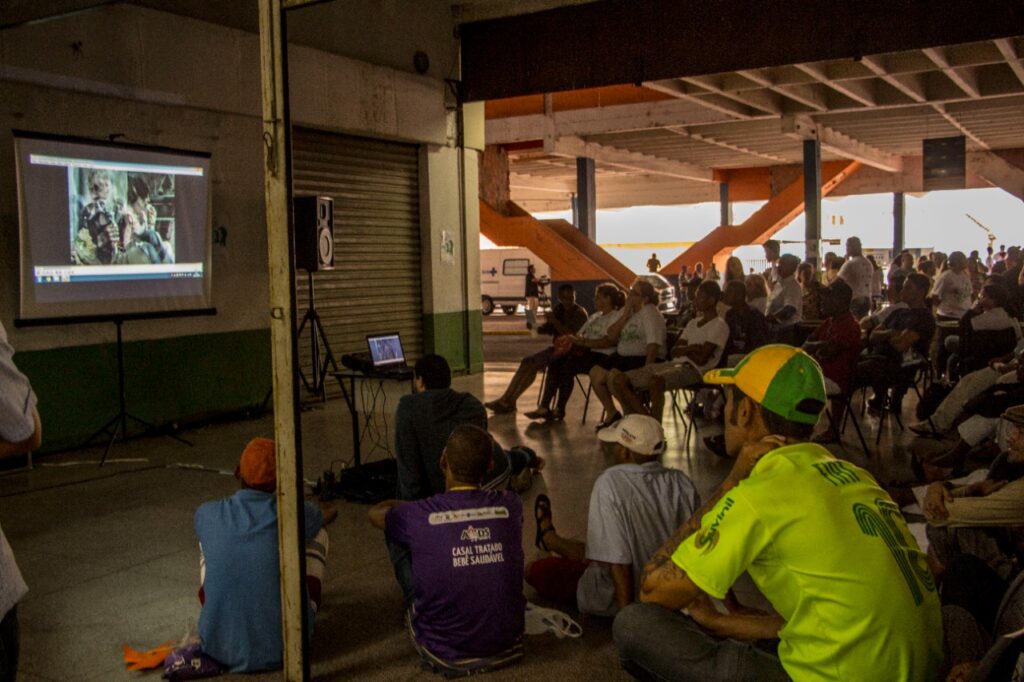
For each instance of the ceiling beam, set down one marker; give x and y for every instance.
(941, 109)
(997, 171)
(965, 78)
(909, 84)
(861, 91)
(707, 139)
(644, 163)
(755, 99)
(1009, 54)
(725, 106)
(804, 128)
(601, 120)
(804, 94)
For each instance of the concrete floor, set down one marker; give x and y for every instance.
(110, 556)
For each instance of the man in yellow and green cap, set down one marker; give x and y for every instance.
(821, 540)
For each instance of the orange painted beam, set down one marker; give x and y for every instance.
(587, 98)
(769, 219)
(570, 256)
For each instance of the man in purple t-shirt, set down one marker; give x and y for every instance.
(467, 562)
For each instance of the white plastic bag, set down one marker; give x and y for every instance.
(540, 621)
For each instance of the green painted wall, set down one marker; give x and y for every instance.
(444, 334)
(176, 380)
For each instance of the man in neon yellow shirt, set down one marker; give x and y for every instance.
(821, 540)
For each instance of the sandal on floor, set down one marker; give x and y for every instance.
(541, 513)
(616, 416)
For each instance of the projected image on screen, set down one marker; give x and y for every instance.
(121, 218)
(109, 229)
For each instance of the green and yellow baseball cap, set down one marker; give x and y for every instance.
(783, 379)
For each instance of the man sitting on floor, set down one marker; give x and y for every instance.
(464, 595)
(240, 624)
(823, 543)
(426, 418)
(698, 349)
(634, 506)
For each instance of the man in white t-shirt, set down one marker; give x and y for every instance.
(786, 300)
(635, 506)
(858, 272)
(698, 350)
(953, 288)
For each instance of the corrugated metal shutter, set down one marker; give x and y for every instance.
(375, 285)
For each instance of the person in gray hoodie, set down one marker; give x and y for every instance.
(426, 418)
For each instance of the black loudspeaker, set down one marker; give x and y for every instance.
(314, 233)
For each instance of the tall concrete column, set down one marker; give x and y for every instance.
(724, 204)
(585, 214)
(812, 200)
(899, 222)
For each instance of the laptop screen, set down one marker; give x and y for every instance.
(386, 349)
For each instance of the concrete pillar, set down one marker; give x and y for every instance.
(812, 200)
(724, 204)
(899, 222)
(585, 214)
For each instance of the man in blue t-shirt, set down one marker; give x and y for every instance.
(240, 624)
(467, 605)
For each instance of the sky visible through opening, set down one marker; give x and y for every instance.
(935, 220)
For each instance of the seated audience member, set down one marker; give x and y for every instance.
(902, 265)
(635, 506)
(638, 338)
(811, 288)
(1011, 273)
(785, 303)
(987, 330)
(772, 250)
(818, 537)
(20, 432)
(733, 271)
(835, 344)
(973, 517)
(953, 289)
(858, 273)
(1005, 370)
(240, 580)
(463, 578)
(424, 421)
(698, 349)
(564, 319)
(877, 283)
(833, 269)
(905, 335)
(748, 328)
(757, 293)
(609, 300)
(893, 302)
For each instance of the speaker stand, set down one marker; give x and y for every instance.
(320, 360)
(118, 424)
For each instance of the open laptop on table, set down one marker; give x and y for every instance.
(388, 356)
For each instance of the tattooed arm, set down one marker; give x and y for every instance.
(665, 583)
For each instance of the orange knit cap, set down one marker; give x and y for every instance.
(258, 467)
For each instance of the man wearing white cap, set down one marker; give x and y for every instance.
(635, 506)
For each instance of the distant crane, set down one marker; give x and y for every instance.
(991, 235)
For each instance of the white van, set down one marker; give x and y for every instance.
(503, 278)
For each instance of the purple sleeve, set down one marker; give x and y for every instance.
(396, 523)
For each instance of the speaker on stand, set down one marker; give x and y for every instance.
(314, 252)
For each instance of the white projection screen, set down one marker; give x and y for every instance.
(111, 230)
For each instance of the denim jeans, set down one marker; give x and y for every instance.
(655, 643)
(401, 562)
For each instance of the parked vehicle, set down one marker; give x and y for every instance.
(503, 278)
(667, 300)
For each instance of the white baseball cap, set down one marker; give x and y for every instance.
(637, 432)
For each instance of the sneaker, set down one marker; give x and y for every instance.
(539, 413)
(499, 407)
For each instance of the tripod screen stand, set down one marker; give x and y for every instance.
(323, 360)
(118, 424)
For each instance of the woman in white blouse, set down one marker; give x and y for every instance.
(561, 377)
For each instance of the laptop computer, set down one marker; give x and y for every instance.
(388, 356)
